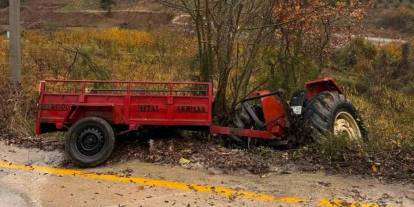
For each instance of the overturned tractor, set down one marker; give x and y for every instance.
(94, 112)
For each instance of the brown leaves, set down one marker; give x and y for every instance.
(16, 112)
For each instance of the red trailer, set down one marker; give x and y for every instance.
(95, 112)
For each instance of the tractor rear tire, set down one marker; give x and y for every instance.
(89, 142)
(330, 113)
(241, 120)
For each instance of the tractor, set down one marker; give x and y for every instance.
(94, 113)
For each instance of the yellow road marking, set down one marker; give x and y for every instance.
(341, 203)
(223, 191)
(219, 190)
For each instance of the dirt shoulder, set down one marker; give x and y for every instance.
(195, 152)
(34, 189)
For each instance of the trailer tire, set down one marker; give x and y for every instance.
(89, 142)
(326, 110)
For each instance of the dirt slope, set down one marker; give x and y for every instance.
(48, 14)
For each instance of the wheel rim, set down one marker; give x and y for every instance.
(346, 124)
(90, 141)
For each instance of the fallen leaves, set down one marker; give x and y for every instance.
(184, 162)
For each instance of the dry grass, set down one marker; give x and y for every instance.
(166, 55)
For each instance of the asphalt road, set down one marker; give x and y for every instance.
(30, 177)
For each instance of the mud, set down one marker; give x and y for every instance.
(31, 154)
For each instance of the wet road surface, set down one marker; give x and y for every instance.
(31, 177)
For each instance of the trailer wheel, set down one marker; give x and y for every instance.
(330, 113)
(89, 142)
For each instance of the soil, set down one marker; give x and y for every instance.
(198, 153)
(27, 188)
(47, 14)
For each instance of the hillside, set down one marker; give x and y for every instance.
(395, 21)
(51, 15)
(338, 128)
(134, 5)
(389, 19)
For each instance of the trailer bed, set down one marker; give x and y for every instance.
(127, 103)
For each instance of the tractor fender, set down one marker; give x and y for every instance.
(314, 87)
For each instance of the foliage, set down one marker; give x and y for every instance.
(356, 55)
(231, 35)
(226, 52)
(385, 107)
(375, 78)
(287, 72)
(107, 5)
(96, 54)
(101, 54)
(387, 65)
(389, 117)
(4, 3)
(17, 111)
(401, 19)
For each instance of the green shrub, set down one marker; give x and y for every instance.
(287, 72)
(401, 19)
(358, 53)
(4, 3)
(107, 5)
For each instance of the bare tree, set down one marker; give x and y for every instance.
(225, 47)
(231, 34)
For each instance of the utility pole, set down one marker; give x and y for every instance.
(15, 44)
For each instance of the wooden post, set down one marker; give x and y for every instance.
(15, 44)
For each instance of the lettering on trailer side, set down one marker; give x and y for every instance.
(56, 107)
(191, 109)
(148, 108)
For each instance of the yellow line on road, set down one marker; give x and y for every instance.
(219, 190)
(223, 191)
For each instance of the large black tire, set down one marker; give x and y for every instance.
(241, 120)
(89, 142)
(322, 111)
(250, 116)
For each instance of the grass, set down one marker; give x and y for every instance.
(169, 55)
(401, 19)
(389, 116)
(76, 5)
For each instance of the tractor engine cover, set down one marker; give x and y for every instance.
(274, 112)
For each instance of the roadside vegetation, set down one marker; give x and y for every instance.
(4, 3)
(107, 5)
(378, 79)
(400, 19)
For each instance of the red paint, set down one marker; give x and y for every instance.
(125, 103)
(136, 103)
(274, 113)
(323, 84)
(241, 132)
